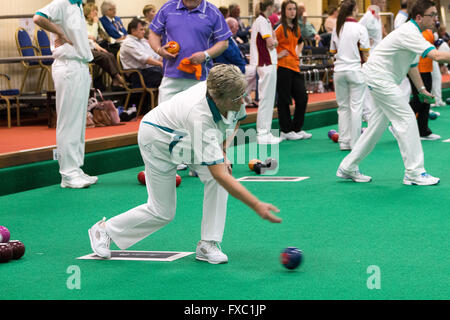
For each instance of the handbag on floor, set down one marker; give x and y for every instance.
(101, 113)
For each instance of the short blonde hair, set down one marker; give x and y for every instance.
(226, 80)
(87, 9)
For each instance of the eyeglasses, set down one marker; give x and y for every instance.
(237, 99)
(432, 15)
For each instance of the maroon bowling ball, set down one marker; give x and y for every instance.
(6, 252)
(18, 249)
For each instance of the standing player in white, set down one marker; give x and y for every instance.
(396, 55)
(372, 21)
(350, 44)
(199, 120)
(70, 72)
(263, 55)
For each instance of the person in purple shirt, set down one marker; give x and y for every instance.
(200, 30)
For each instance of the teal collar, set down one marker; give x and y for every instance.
(415, 23)
(78, 2)
(215, 112)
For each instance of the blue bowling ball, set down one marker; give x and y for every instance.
(291, 257)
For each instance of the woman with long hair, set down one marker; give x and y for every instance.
(290, 84)
(350, 44)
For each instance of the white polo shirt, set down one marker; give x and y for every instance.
(134, 53)
(69, 16)
(191, 128)
(396, 54)
(352, 39)
(372, 22)
(260, 55)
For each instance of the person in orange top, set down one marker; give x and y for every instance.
(422, 109)
(290, 84)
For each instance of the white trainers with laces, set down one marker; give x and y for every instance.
(289, 136)
(90, 179)
(303, 135)
(356, 176)
(211, 252)
(268, 138)
(431, 136)
(100, 241)
(77, 182)
(424, 179)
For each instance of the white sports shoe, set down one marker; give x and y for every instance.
(345, 146)
(268, 138)
(424, 179)
(211, 252)
(100, 240)
(303, 135)
(181, 166)
(356, 176)
(78, 182)
(193, 173)
(431, 136)
(90, 179)
(289, 136)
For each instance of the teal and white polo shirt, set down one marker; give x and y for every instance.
(191, 128)
(399, 51)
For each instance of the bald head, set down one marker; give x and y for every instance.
(233, 25)
(380, 3)
(301, 9)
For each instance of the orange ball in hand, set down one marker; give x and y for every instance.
(173, 47)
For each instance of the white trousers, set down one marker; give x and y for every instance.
(171, 86)
(389, 108)
(72, 84)
(267, 86)
(250, 76)
(437, 82)
(405, 87)
(350, 91)
(134, 225)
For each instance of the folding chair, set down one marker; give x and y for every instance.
(152, 91)
(26, 49)
(8, 94)
(43, 42)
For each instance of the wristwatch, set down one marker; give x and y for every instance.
(207, 56)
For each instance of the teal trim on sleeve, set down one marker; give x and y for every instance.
(243, 118)
(213, 162)
(424, 54)
(414, 65)
(42, 14)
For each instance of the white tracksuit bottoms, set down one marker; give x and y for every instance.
(389, 108)
(171, 86)
(267, 87)
(72, 84)
(350, 90)
(437, 82)
(134, 225)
